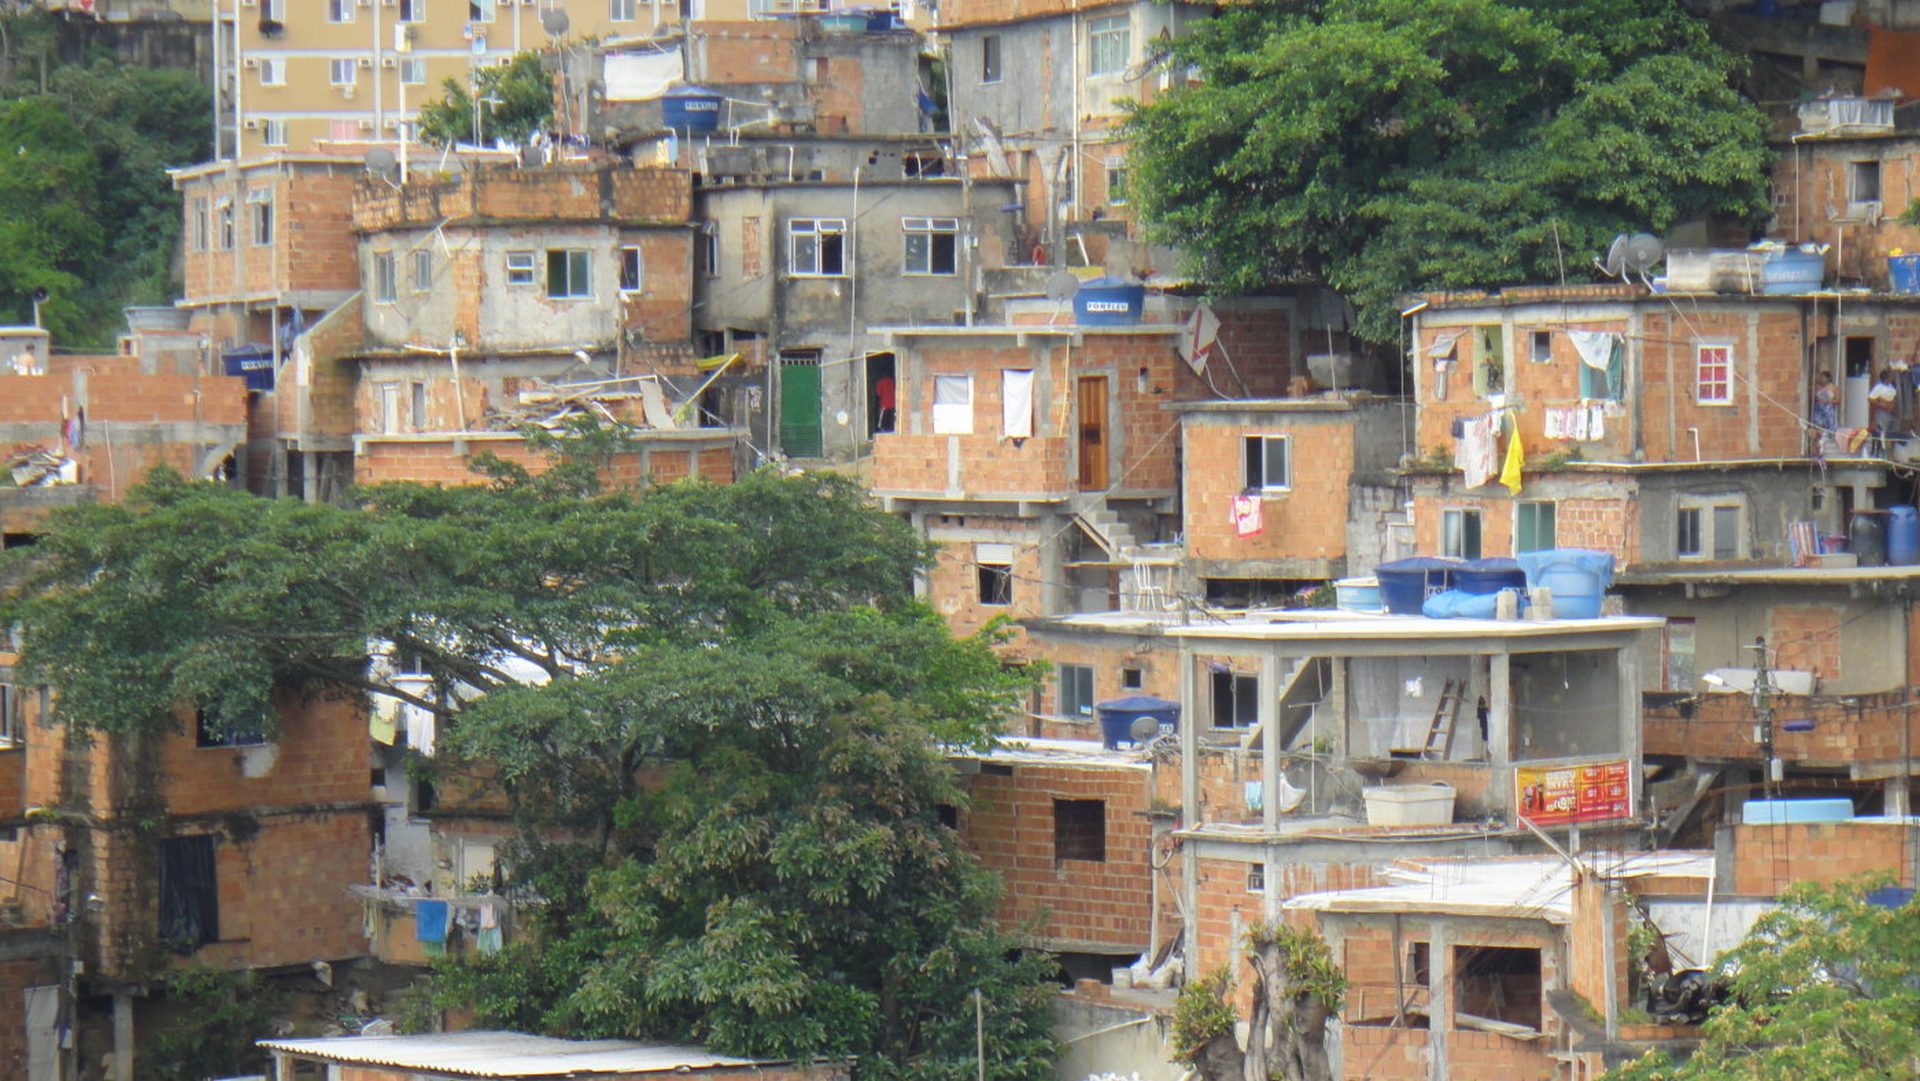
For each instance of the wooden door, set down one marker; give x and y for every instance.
(1092, 405)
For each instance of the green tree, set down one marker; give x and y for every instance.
(1824, 988)
(515, 100)
(50, 230)
(1380, 146)
(213, 1019)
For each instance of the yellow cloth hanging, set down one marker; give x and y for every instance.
(383, 720)
(1510, 472)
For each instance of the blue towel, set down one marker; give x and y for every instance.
(430, 920)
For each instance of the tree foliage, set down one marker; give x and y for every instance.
(1824, 988)
(716, 712)
(1385, 145)
(214, 1017)
(515, 101)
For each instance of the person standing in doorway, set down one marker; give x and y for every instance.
(1882, 406)
(883, 401)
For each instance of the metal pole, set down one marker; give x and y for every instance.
(980, 1032)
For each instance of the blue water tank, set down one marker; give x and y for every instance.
(1903, 536)
(1109, 302)
(1116, 716)
(1578, 577)
(1489, 575)
(252, 362)
(1405, 584)
(691, 109)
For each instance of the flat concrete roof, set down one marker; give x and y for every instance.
(1769, 575)
(1324, 626)
(1522, 887)
(508, 1054)
(1088, 753)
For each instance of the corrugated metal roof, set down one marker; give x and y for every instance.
(1523, 887)
(507, 1054)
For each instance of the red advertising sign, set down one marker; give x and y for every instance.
(1564, 795)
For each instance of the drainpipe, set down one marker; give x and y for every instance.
(219, 144)
(1073, 180)
(379, 112)
(239, 131)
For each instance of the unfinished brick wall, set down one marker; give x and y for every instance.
(1763, 419)
(1810, 192)
(1806, 638)
(1768, 858)
(1533, 386)
(313, 242)
(662, 310)
(1099, 905)
(1606, 523)
(330, 383)
(15, 977)
(616, 192)
(1305, 522)
(953, 582)
(1858, 730)
(441, 461)
(1109, 657)
(979, 12)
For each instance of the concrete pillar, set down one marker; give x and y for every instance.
(1189, 812)
(1899, 799)
(1500, 730)
(1268, 718)
(1630, 711)
(122, 1036)
(1439, 998)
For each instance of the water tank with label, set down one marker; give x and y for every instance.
(691, 109)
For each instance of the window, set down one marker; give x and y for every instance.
(569, 275)
(1540, 346)
(1460, 534)
(339, 11)
(1679, 651)
(629, 270)
(995, 563)
(1236, 700)
(1267, 466)
(1256, 877)
(1713, 374)
(710, 249)
(990, 58)
(1489, 361)
(1080, 830)
(620, 11)
(1726, 532)
(384, 282)
(273, 71)
(816, 247)
(273, 11)
(1686, 541)
(953, 405)
(413, 11)
(1108, 42)
(932, 245)
(201, 224)
(422, 270)
(1707, 529)
(342, 71)
(225, 215)
(419, 403)
(273, 132)
(260, 210)
(413, 70)
(1131, 679)
(1076, 690)
(1533, 526)
(229, 732)
(189, 893)
(1863, 186)
(519, 268)
(480, 11)
(13, 707)
(1607, 385)
(1498, 982)
(1116, 183)
(389, 402)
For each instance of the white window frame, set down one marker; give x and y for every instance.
(13, 717)
(273, 10)
(1109, 45)
(386, 278)
(1553, 508)
(711, 234)
(630, 254)
(1861, 204)
(1453, 541)
(386, 399)
(579, 259)
(413, 11)
(999, 558)
(1075, 674)
(953, 405)
(273, 71)
(223, 223)
(1700, 383)
(481, 11)
(993, 58)
(523, 267)
(260, 217)
(1708, 531)
(413, 71)
(806, 233)
(273, 133)
(202, 223)
(1117, 167)
(421, 271)
(339, 65)
(921, 264)
(1266, 484)
(622, 11)
(340, 12)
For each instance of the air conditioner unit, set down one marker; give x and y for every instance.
(250, 63)
(395, 124)
(364, 61)
(389, 62)
(347, 91)
(251, 124)
(366, 124)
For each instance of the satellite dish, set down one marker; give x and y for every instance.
(554, 22)
(1144, 729)
(1644, 250)
(1061, 286)
(1616, 260)
(381, 162)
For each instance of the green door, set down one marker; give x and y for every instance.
(800, 406)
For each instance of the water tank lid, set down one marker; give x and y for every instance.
(1136, 703)
(1108, 282)
(691, 91)
(1422, 563)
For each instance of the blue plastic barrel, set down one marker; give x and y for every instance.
(1116, 716)
(1489, 575)
(1109, 302)
(1405, 584)
(1578, 577)
(1903, 536)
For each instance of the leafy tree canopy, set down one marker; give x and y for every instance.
(1825, 988)
(1385, 145)
(515, 101)
(728, 779)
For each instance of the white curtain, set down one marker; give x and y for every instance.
(1016, 403)
(953, 405)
